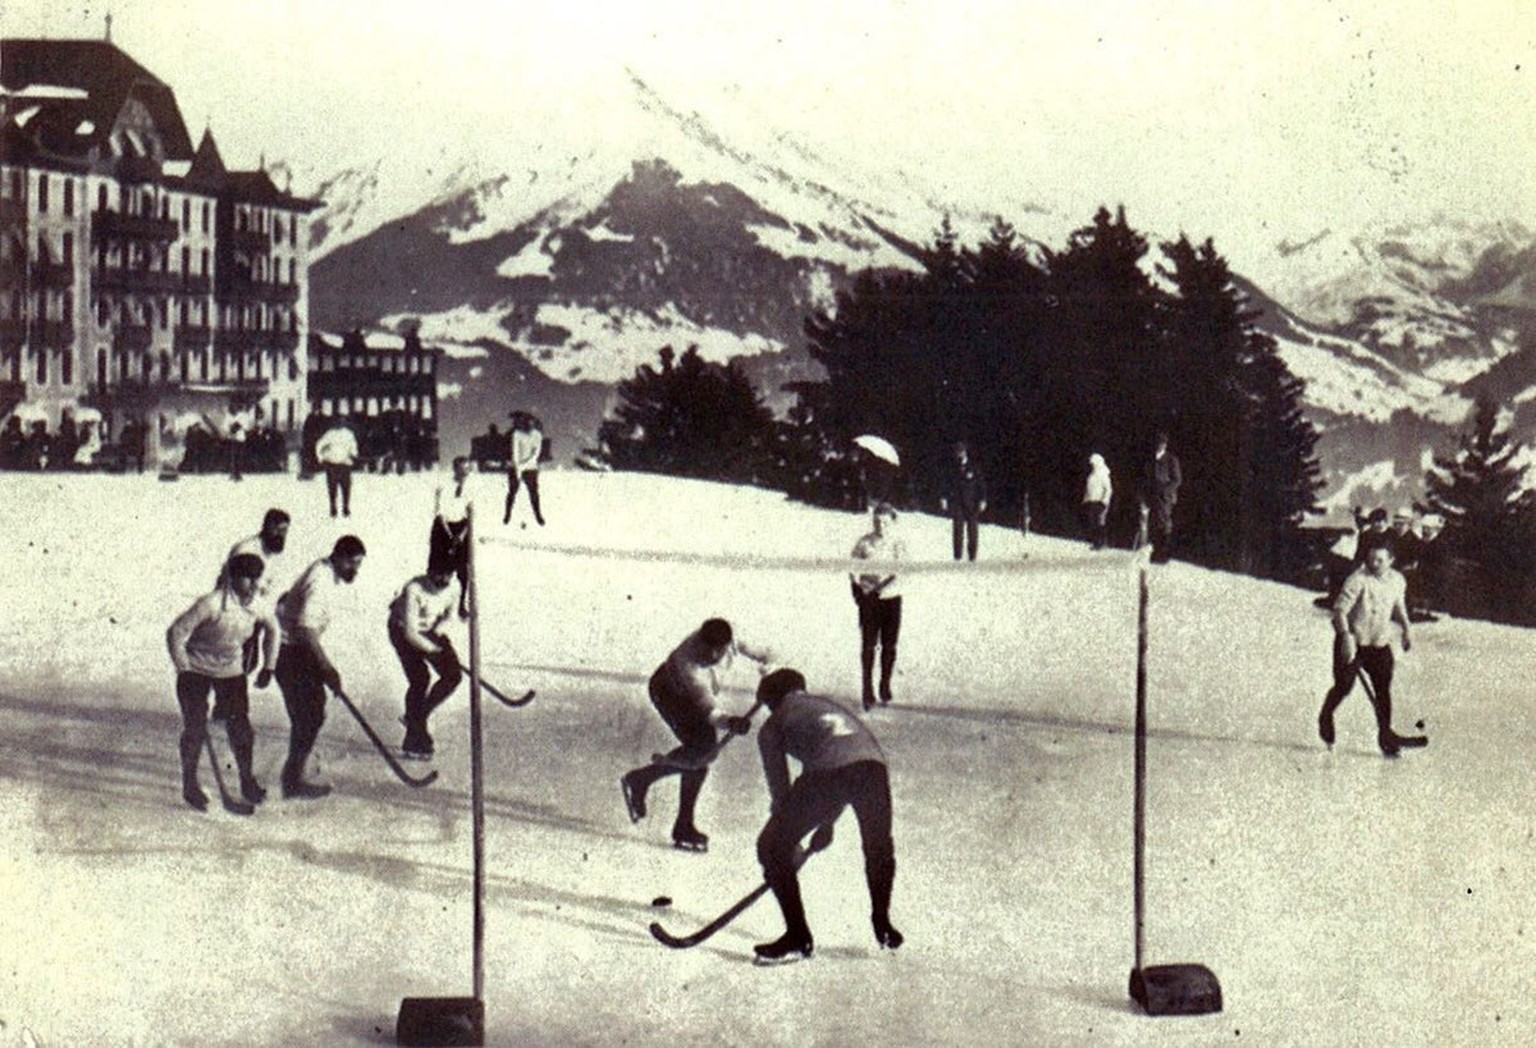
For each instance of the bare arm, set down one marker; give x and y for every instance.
(270, 633)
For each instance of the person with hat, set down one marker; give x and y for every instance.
(683, 691)
(304, 669)
(1164, 477)
(965, 500)
(841, 766)
(1098, 490)
(527, 448)
(416, 618)
(207, 647)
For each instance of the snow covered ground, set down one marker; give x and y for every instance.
(1342, 899)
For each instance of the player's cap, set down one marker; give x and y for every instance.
(246, 566)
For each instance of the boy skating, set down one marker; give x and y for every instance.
(416, 617)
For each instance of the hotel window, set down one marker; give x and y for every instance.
(202, 364)
(42, 364)
(69, 247)
(186, 214)
(69, 203)
(101, 197)
(101, 367)
(42, 198)
(205, 229)
(290, 414)
(203, 263)
(67, 368)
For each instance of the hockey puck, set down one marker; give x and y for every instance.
(662, 900)
(1419, 724)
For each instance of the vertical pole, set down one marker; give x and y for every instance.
(1139, 831)
(476, 763)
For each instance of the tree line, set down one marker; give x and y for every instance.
(1035, 358)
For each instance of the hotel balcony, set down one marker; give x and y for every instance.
(247, 340)
(249, 241)
(139, 394)
(245, 289)
(192, 338)
(36, 334)
(146, 281)
(118, 225)
(132, 338)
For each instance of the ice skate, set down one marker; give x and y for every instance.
(788, 947)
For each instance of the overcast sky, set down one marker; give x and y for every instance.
(1251, 122)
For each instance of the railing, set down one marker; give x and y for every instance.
(259, 290)
(238, 340)
(147, 280)
(139, 391)
(53, 275)
(137, 227)
(192, 337)
(54, 334)
(253, 240)
(132, 338)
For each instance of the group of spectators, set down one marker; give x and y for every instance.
(390, 442)
(261, 449)
(73, 446)
(1411, 537)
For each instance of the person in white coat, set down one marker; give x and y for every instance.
(337, 453)
(1098, 491)
(527, 447)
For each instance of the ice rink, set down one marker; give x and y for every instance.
(1341, 898)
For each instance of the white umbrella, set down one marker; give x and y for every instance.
(879, 447)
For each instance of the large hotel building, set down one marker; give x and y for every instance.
(139, 276)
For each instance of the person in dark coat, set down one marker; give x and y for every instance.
(965, 500)
(1163, 480)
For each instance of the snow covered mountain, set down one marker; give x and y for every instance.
(549, 274)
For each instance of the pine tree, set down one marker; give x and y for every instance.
(689, 418)
(1234, 413)
(1490, 519)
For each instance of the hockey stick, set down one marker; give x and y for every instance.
(1406, 741)
(695, 763)
(378, 744)
(502, 697)
(682, 942)
(232, 805)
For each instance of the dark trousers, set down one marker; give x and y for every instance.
(232, 699)
(531, 479)
(339, 479)
(1377, 663)
(420, 700)
(1096, 523)
(697, 737)
(298, 675)
(816, 799)
(964, 527)
(1161, 533)
(879, 626)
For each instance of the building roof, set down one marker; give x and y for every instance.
(72, 125)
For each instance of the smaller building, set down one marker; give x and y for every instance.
(386, 390)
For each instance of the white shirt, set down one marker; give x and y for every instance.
(526, 447)
(209, 637)
(308, 604)
(453, 502)
(273, 566)
(1367, 602)
(883, 550)
(337, 447)
(418, 611)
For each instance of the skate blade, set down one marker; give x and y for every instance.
(685, 846)
(778, 962)
(416, 755)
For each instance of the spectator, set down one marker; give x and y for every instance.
(1165, 477)
(1098, 492)
(965, 500)
(337, 453)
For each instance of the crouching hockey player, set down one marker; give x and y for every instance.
(841, 765)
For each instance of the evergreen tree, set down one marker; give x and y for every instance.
(1490, 520)
(1234, 412)
(690, 418)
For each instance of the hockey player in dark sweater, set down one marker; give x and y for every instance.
(841, 765)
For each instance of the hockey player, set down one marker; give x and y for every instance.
(450, 529)
(267, 544)
(878, 597)
(207, 643)
(683, 690)
(527, 447)
(1371, 600)
(841, 764)
(416, 616)
(303, 667)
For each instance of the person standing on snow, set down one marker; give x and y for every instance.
(527, 446)
(207, 646)
(1097, 493)
(337, 453)
(683, 690)
(450, 529)
(1164, 478)
(1371, 600)
(878, 597)
(841, 765)
(303, 667)
(965, 500)
(416, 618)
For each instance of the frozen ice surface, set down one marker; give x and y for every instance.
(1342, 899)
